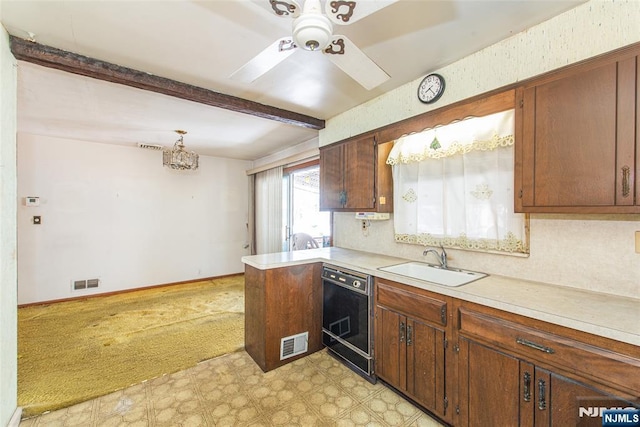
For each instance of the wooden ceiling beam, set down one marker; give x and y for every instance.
(51, 57)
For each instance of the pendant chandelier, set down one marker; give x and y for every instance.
(178, 157)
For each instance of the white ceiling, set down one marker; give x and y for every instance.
(203, 42)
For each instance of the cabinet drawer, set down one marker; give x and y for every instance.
(574, 356)
(412, 303)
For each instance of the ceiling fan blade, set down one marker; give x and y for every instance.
(346, 55)
(343, 12)
(277, 52)
(285, 8)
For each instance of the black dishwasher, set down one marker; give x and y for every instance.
(347, 317)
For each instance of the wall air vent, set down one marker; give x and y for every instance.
(149, 146)
(78, 285)
(294, 345)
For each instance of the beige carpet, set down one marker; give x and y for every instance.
(73, 351)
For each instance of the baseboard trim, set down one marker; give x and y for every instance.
(124, 291)
(15, 419)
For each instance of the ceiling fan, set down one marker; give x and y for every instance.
(313, 30)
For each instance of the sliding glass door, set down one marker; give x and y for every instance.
(304, 226)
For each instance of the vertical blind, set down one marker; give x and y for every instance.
(268, 210)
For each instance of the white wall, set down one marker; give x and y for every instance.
(590, 252)
(115, 213)
(307, 148)
(595, 27)
(8, 312)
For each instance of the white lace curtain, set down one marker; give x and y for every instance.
(268, 210)
(453, 186)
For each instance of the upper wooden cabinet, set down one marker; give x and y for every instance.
(354, 176)
(577, 149)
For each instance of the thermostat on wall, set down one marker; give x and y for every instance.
(32, 201)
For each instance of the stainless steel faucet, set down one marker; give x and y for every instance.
(442, 257)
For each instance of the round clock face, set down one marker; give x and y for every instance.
(431, 88)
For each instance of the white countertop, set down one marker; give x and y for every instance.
(609, 316)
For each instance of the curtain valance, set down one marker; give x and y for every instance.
(471, 134)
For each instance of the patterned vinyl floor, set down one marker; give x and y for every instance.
(231, 390)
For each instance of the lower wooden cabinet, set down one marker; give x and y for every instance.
(411, 356)
(570, 402)
(410, 344)
(499, 389)
(472, 365)
(489, 387)
(283, 302)
(515, 371)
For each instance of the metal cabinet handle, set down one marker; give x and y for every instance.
(626, 174)
(527, 387)
(542, 398)
(401, 331)
(343, 198)
(409, 335)
(536, 346)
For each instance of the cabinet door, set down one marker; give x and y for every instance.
(409, 355)
(354, 176)
(572, 403)
(551, 400)
(570, 141)
(331, 177)
(489, 386)
(359, 170)
(390, 349)
(541, 408)
(425, 365)
(576, 150)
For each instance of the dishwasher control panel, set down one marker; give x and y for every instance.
(347, 279)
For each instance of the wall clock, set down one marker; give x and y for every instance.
(431, 88)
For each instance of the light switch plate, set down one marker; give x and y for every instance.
(638, 242)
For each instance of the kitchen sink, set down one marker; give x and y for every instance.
(434, 274)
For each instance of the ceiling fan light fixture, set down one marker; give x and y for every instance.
(312, 31)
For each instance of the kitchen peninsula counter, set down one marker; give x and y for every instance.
(605, 315)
